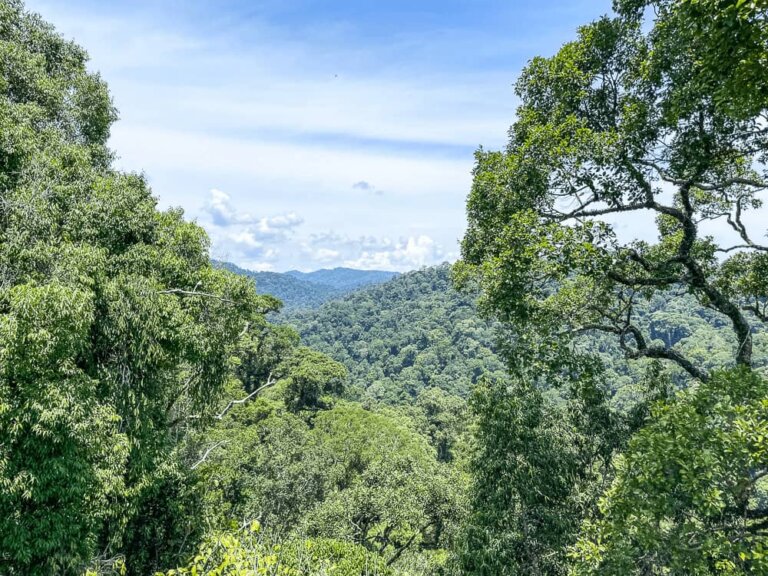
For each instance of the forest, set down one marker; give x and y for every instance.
(562, 400)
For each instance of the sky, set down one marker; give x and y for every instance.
(307, 134)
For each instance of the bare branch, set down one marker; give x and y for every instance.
(207, 453)
(736, 180)
(233, 403)
(736, 223)
(408, 543)
(762, 314)
(741, 247)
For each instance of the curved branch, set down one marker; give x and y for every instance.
(233, 403)
(661, 353)
(207, 453)
(644, 351)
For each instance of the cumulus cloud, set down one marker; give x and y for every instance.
(367, 187)
(406, 254)
(277, 226)
(223, 214)
(276, 242)
(221, 211)
(249, 241)
(371, 252)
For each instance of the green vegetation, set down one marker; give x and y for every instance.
(303, 290)
(637, 116)
(344, 279)
(603, 410)
(397, 339)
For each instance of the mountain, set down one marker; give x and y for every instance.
(404, 336)
(344, 278)
(307, 290)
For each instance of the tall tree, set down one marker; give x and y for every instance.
(623, 126)
(114, 328)
(654, 119)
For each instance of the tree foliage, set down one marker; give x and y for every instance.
(654, 115)
(688, 495)
(113, 325)
(412, 333)
(617, 124)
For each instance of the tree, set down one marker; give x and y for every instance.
(310, 376)
(384, 489)
(344, 473)
(537, 469)
(115, 333)
(636, 121)
(397, 339)
(689, 495)
(622, 124)
(723, 42)
(445, 420)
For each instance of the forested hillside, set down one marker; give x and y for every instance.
(410, 334)
(563, 400)
(302, 290)
(417, 332)
(344, 278)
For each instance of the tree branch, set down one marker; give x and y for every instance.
(195, 292)
(233, 403)
(207, 453)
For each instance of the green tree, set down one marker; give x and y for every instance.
(344, 473)
(646, 117)
(617, 125)
(115, 333)
(689, 495)
(311, 375)
(397, 339)
(537, 468)
(445, 417)
(718, 46)
(384, 488)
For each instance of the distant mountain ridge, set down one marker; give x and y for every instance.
(344, 278)
(308, 290)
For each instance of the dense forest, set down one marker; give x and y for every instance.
(406, 336)
(563, 400)
(302, 290)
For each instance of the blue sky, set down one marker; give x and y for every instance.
(312, 134)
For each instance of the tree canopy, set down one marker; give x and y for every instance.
(606, 416)
(621, 124)
(654, 118)
(113, 325)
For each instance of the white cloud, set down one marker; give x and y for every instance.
(405, 254)
(251, 229)
(245, 239)
(367, 187)
(410, 253)
(221, 211)
(278, 226)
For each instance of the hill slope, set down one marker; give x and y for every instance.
(398, 338)
(344, 278)
(306, 290)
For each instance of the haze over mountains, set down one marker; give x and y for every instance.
(301, 290)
